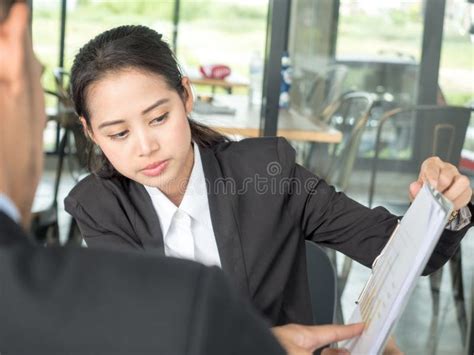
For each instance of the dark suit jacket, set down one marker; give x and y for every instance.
(79, 301)
(263, 206)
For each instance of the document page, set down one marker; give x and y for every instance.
(396, 270)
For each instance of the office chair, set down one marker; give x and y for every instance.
(322, 284)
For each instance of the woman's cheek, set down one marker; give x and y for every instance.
(116, 155)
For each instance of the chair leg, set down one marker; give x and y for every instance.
(435, 282)
(346, 269)
(339, 315)
(455, 265)
(52, 234)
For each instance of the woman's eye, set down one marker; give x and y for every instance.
(120, 135)
(160, 119)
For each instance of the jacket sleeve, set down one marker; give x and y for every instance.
(332, 219)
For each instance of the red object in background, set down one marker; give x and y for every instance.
(215, 71)
(466, 164)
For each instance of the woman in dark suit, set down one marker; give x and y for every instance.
(164, 184)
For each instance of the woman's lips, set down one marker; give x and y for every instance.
(155, 169)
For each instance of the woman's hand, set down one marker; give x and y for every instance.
(445, 178)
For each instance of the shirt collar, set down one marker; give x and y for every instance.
(8, 207)
(194, 201)
(163, 207)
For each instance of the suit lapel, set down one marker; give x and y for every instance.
(222, 208)
(147, 224)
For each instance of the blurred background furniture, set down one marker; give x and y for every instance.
(317, 95)
(228, 84)
(246, 122)
(71, 149)
(350, 118)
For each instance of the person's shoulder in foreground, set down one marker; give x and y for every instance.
(79, 300)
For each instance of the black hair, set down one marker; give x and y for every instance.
(5, 6)
(121, 48)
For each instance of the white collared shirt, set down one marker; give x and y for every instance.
(187, 230)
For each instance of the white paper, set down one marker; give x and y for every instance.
(396, 270)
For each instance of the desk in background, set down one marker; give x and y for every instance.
(246, 122)
(227, 84)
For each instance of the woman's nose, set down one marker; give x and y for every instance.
(147, 144)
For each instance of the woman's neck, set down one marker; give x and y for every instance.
(176, 191)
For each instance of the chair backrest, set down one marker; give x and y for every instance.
(322, 284)
(443, 132)
(317, 94)
(336, 74)
(350, 118)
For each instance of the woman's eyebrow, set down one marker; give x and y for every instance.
(148, 109)
(156, 104)
(110, 123)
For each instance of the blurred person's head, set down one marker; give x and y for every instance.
(134, 104)
(22, 113)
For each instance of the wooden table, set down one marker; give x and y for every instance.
(246, 123)
(229, 83)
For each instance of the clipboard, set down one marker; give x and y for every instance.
(396, 270)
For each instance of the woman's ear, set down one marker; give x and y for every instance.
(86, 130)
(188, 99)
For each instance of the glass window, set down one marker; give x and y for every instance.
(225, 39)
(88, 18)
(456, 73)
(45, 33)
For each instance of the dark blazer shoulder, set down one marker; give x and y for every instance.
(260, 145)
(255, 153)
(97, 193)
(92, 184)
(113, 207)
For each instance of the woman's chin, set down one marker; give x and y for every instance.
(164, 182)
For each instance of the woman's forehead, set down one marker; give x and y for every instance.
(126, 94)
